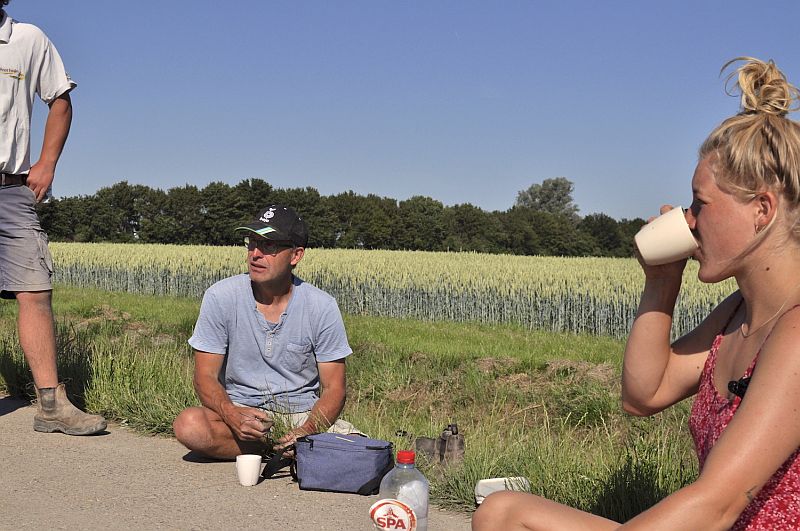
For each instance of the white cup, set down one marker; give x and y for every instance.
(248, 468)
(666, 239)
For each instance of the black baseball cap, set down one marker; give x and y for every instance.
(278, 222)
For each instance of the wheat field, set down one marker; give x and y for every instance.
(582, 295)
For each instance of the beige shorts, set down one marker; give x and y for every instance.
(286, 421)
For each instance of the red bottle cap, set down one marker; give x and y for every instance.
(405, 457)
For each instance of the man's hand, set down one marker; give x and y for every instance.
(286, 443)
(325, 411)
(247, 423)
(40, 178)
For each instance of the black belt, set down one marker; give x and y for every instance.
(10, 179)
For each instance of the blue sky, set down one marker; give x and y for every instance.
(459, 100)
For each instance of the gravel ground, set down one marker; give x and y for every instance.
(122, 480)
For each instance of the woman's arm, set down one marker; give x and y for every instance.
(655, 374)
(763, 434)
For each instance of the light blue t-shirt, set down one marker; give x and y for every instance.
(270, 365)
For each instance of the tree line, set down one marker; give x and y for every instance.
(543, 221)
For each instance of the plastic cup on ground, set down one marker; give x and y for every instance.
(666, 239)
(248, 468)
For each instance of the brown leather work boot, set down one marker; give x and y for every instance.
(428, 447)
(447, 449)
(56, 413)
(451, 445)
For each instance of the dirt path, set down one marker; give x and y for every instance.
(121, 480)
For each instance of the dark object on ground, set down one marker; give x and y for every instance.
(447, 449)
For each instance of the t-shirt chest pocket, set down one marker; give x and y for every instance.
(298, 356)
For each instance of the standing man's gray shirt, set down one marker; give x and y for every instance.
(285, 377)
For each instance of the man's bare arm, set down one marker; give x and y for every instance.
(333, 384)
(56, 130)
(247, 423)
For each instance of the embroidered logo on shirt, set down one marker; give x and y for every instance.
(12, 73)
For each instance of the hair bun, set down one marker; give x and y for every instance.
(763, 87)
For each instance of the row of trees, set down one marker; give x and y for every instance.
(544, 221)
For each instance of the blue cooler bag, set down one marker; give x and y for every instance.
(342, 463)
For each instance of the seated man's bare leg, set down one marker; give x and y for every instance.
(203, 431)
(517, 511)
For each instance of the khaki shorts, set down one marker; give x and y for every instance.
(342, 427)
(25, 261)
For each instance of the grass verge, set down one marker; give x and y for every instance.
(534, 404)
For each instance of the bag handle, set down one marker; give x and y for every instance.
(275, 462)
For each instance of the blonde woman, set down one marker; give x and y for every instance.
(743, 361)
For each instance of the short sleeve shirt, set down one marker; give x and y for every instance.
(29, 66)
(270, 365)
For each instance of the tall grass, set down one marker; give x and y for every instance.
(536, 404)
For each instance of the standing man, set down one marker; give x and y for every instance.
(269, 348)
(30, 65)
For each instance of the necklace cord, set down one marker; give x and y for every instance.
(752, 331)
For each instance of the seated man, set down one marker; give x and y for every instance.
(270, 351)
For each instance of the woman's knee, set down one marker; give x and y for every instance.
(493, 511)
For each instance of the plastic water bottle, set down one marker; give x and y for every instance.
(403, 497)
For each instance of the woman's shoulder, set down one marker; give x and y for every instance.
(785, 334)
(719, 320)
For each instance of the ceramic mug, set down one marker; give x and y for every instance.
(666, 239)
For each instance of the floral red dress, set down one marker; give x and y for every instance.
(777, 506)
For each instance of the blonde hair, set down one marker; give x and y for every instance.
(759, 148)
